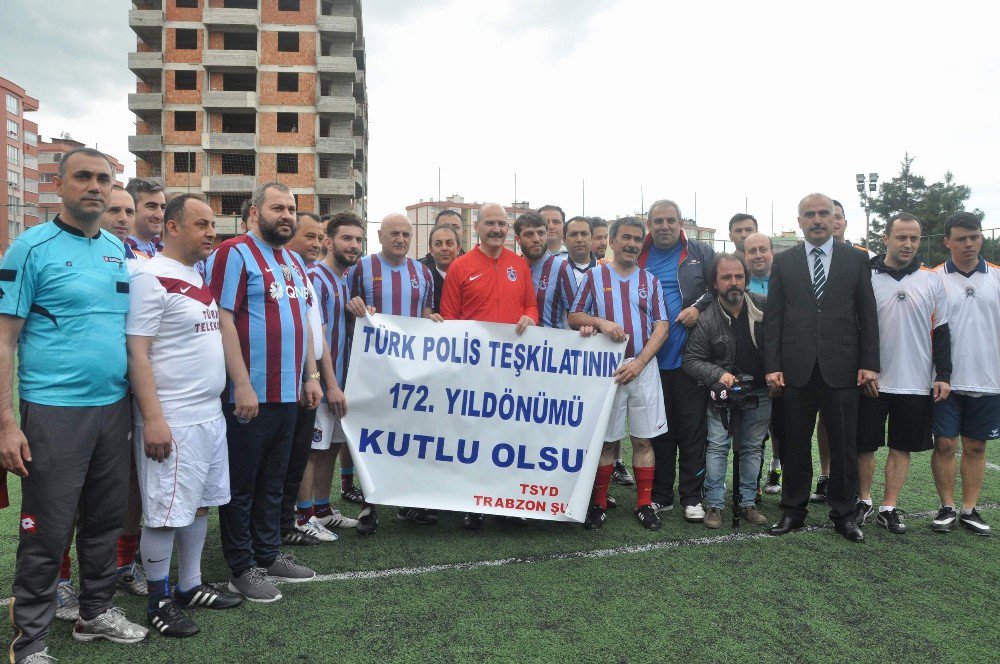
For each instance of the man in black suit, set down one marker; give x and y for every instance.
(821, 345)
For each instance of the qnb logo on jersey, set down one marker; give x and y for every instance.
(512, 274)
(277, 291)
(28, 524)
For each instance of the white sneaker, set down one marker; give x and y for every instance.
(657, 507)
(111, 625)
(336, 520)
(314, 528)
(694, 513)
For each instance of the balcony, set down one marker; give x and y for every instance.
(146, 143)
(241, 19)
(343, 105)
(147, 63)
(334, 145)
(229, 100)
(145, 101)
(147, 23)
(222, 59)
(336, 64)
(230, 142)
(335, 186)
(228, 183)
(339, 24)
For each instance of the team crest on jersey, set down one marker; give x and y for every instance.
(643, 293)
(512, 274)
(415, 282)
(317, 435)
(543, 284)
(970, 291)
(901, 296)
(287, 271)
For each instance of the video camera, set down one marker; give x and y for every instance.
(743, 395)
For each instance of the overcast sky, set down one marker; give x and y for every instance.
(733, 104)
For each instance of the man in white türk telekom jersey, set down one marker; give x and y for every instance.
(177, 370)
(973, 289)
(916, 367)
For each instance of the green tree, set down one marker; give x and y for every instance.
(930, 203)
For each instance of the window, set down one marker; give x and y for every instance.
(13, 155)
(46, 177)
(239, 123)
(30, 137)
(231, 203)
(239, 4)
(288, 123)
(185, 79)
(288, 5)
(238, 164)
(239, 41)
(234, 82)
(288, 82)
(13, 129)
(191, 4)
(185, 39)
(185, 121)
(31, 185)
(184, 162)
(288, 42)
(13, 106)
(288, 163)
(14, 203)
(14, 179)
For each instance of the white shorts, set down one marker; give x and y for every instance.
(327, 429)
(642, 401)
(196, 474)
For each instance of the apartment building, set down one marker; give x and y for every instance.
(232, 93)
(423, 214)
(19, 141)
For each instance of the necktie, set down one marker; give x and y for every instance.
(819, 274)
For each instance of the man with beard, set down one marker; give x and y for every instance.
(445, 244)
(390, 282)
(71, 448)
(625, 302)
(554, 286)
(724, 344)
(261, 290)
(150, 204)
(344, 238)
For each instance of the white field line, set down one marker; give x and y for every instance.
(992, 466)
(569, 555)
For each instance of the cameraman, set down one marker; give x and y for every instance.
(726, 343)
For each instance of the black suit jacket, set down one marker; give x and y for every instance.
(428, 260)
(840, 331)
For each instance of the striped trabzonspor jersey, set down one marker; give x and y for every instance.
(331, 289)
(555, 290)
(404, 290)
(635, 302)
(265, 288)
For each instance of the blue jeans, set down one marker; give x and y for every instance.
(754, 428)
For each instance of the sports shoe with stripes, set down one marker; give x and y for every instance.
(111, 625)
(313, 527)
(336, 520)
(254, 585)
(945, 519)
(975, 523)
(296, 537)
(169, 620)
(206, 596)
(353, 494)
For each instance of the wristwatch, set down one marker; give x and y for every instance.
(310, 376)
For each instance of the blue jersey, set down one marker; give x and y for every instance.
(664, 263)
(265, 288)
(402, 290)
(333, 294)
(72, 292)
(555, 289)
(635, 302)
(758, 284)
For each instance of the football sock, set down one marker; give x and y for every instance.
(966, 511)
(601, 482)
(127, 545)
(190, 541)
(157, 545)
(303, 511)
(321, 507)
(65, 572)
(158, 589)
(643, 484)
(867, 502)
(775, 463)
(886, 508)
(346, 477)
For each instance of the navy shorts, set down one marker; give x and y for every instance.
(976, 418)
(909, 418)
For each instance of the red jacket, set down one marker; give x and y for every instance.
(499, 290)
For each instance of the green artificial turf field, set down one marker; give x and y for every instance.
(555, 592)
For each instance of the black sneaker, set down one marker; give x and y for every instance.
(169, 620)
(945, 520)
(367, 522)
(417, 515)
(773, 484)
(207, 596)
(612, 503)
(472, 521)
(975, 523)
(862, 511)
(353, 495)
(596, 516)
(819, 495)
(647, 517)
(891, 521)
(621, 475)
(298, 538)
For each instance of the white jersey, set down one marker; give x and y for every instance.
(908, 312)
(974, 320)
(170, 302)
(314, 318)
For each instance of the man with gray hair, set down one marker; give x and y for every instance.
(150, 204)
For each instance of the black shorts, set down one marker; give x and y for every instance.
(909, 418)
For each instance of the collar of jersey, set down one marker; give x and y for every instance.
(949, 266)
(73, 230)
(879, 264)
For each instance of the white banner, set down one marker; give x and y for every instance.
(469, 417)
